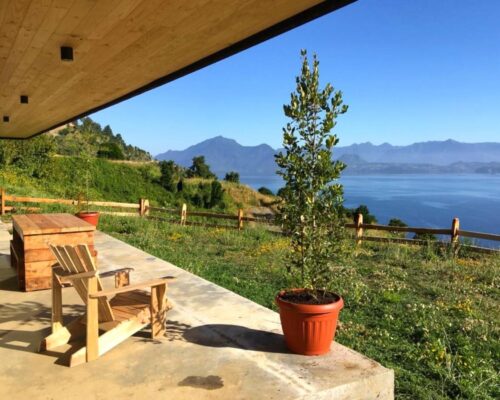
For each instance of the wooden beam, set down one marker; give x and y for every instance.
(109, 34)
(110, 339)
(479, 235)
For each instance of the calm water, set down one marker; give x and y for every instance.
(420, 200)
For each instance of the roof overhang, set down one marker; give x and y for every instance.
(121, 48)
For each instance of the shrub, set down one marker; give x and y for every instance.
(199, 169)
(232, 177)
(168, 177)
(216, 194)
(429, 237)
(266, 191)
(367, 217)
(397, 222)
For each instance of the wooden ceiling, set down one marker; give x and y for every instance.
(121, 48)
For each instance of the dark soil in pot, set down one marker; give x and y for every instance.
(309, 297)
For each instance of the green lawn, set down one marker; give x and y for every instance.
(432, 318)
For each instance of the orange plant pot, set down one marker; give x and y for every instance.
(309, 329)
(92, 217)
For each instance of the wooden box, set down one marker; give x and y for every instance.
(32, 234)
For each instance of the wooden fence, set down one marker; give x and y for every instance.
(183, 217)
(454, 233)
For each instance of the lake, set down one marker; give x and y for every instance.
(420, 200)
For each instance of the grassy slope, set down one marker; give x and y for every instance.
(118, 181)
(113, 182)
(431, 318)
(237, 196)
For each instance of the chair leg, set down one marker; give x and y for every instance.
(57, 313)
(92, 322)
(157, 309)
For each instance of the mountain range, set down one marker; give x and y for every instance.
(449, 156)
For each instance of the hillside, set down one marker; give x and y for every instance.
(84, 160)
(85, 135)
(125, 182)
(427, 157)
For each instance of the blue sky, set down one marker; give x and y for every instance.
(410, 70)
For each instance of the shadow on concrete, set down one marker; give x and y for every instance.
(8, 275)
(31, 322)
(236, 336)
(10, 284)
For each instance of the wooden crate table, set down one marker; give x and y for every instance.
(30, 254)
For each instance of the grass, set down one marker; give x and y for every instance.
(431, 317)
(124, 182)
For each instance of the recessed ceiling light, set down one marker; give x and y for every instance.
(66, 53)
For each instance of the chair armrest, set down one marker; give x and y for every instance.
(114, 272)
(124, 289)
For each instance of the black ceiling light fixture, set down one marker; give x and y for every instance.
(24, 99)
(66, 53)
(6, 118)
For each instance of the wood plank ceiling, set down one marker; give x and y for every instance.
(121, 48)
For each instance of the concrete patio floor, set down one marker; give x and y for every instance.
(218, 345)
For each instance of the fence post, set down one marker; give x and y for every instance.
(183, 214)
(359, 228)
(141, 207)
(455, 226)
(240, 219)
(2, 201)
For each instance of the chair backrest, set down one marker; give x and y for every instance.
(77, 259)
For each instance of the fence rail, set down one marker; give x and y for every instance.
(143, 209)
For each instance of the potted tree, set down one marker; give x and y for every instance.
(311, 213)
(85, 172)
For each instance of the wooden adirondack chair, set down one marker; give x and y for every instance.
(117, 313)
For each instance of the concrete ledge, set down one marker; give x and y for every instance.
(218, 345)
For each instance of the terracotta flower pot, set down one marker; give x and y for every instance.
(309, 329)
(92, 217)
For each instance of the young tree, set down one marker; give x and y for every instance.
(232, 177)
(311, 213)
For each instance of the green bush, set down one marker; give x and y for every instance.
(367, 217)
(232, 177)
(199, 169)
(397, 222)
(266, 191)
